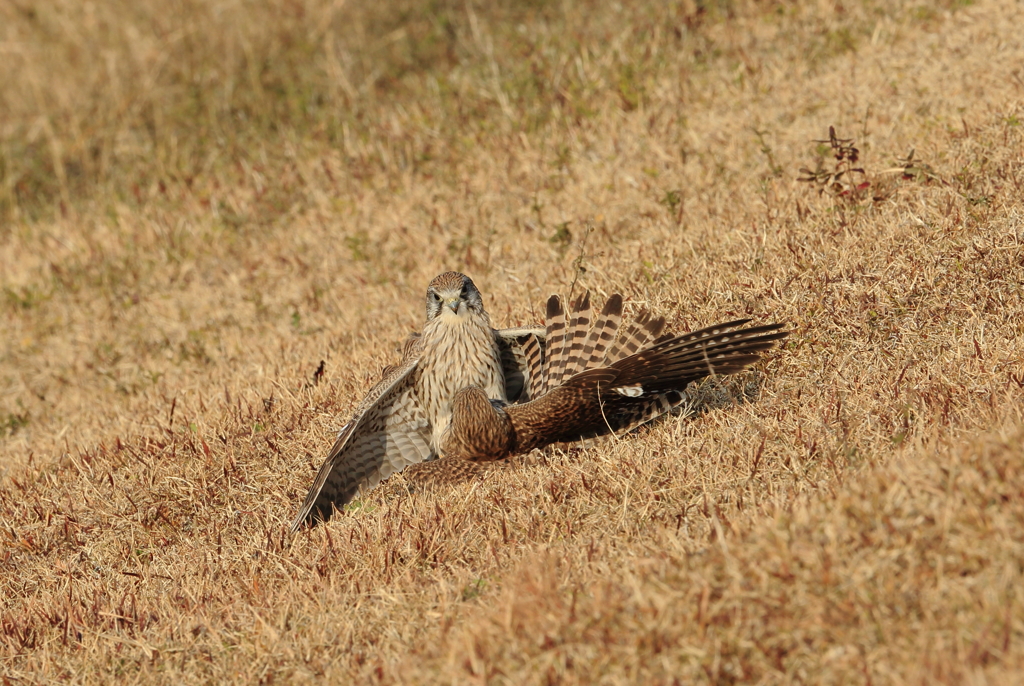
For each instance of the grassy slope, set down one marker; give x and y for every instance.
(200, 203)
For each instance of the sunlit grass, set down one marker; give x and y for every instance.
(202, 202)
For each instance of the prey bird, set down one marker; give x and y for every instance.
(593, 381)
(401, 420)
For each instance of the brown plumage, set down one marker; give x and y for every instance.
(401, 420)
(641, 375)
(478, 395)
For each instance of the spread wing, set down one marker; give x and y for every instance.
(602, 345)
(522, 351)
(641, 376)
(388, 431)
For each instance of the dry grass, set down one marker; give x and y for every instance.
(202, 201)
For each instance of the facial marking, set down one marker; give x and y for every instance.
(453, 293)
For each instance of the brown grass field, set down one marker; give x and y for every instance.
(200, 201)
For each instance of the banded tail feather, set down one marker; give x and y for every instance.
(603, 334)
(641, 331)
(556, 330)
(571, 360)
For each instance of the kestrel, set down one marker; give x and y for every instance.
(474, 395)
(401, 420)
(594, 381)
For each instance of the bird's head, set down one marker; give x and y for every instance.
(452, 294)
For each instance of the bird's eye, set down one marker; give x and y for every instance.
(436, 297)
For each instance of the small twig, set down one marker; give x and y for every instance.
(578, 262)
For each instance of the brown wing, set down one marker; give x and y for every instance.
(639, 411)
(635, 387)
(721, 349)
(388, 431)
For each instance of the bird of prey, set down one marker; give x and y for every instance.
(401, 420)
(594, 381)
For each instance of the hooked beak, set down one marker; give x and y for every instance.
(453, 304)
